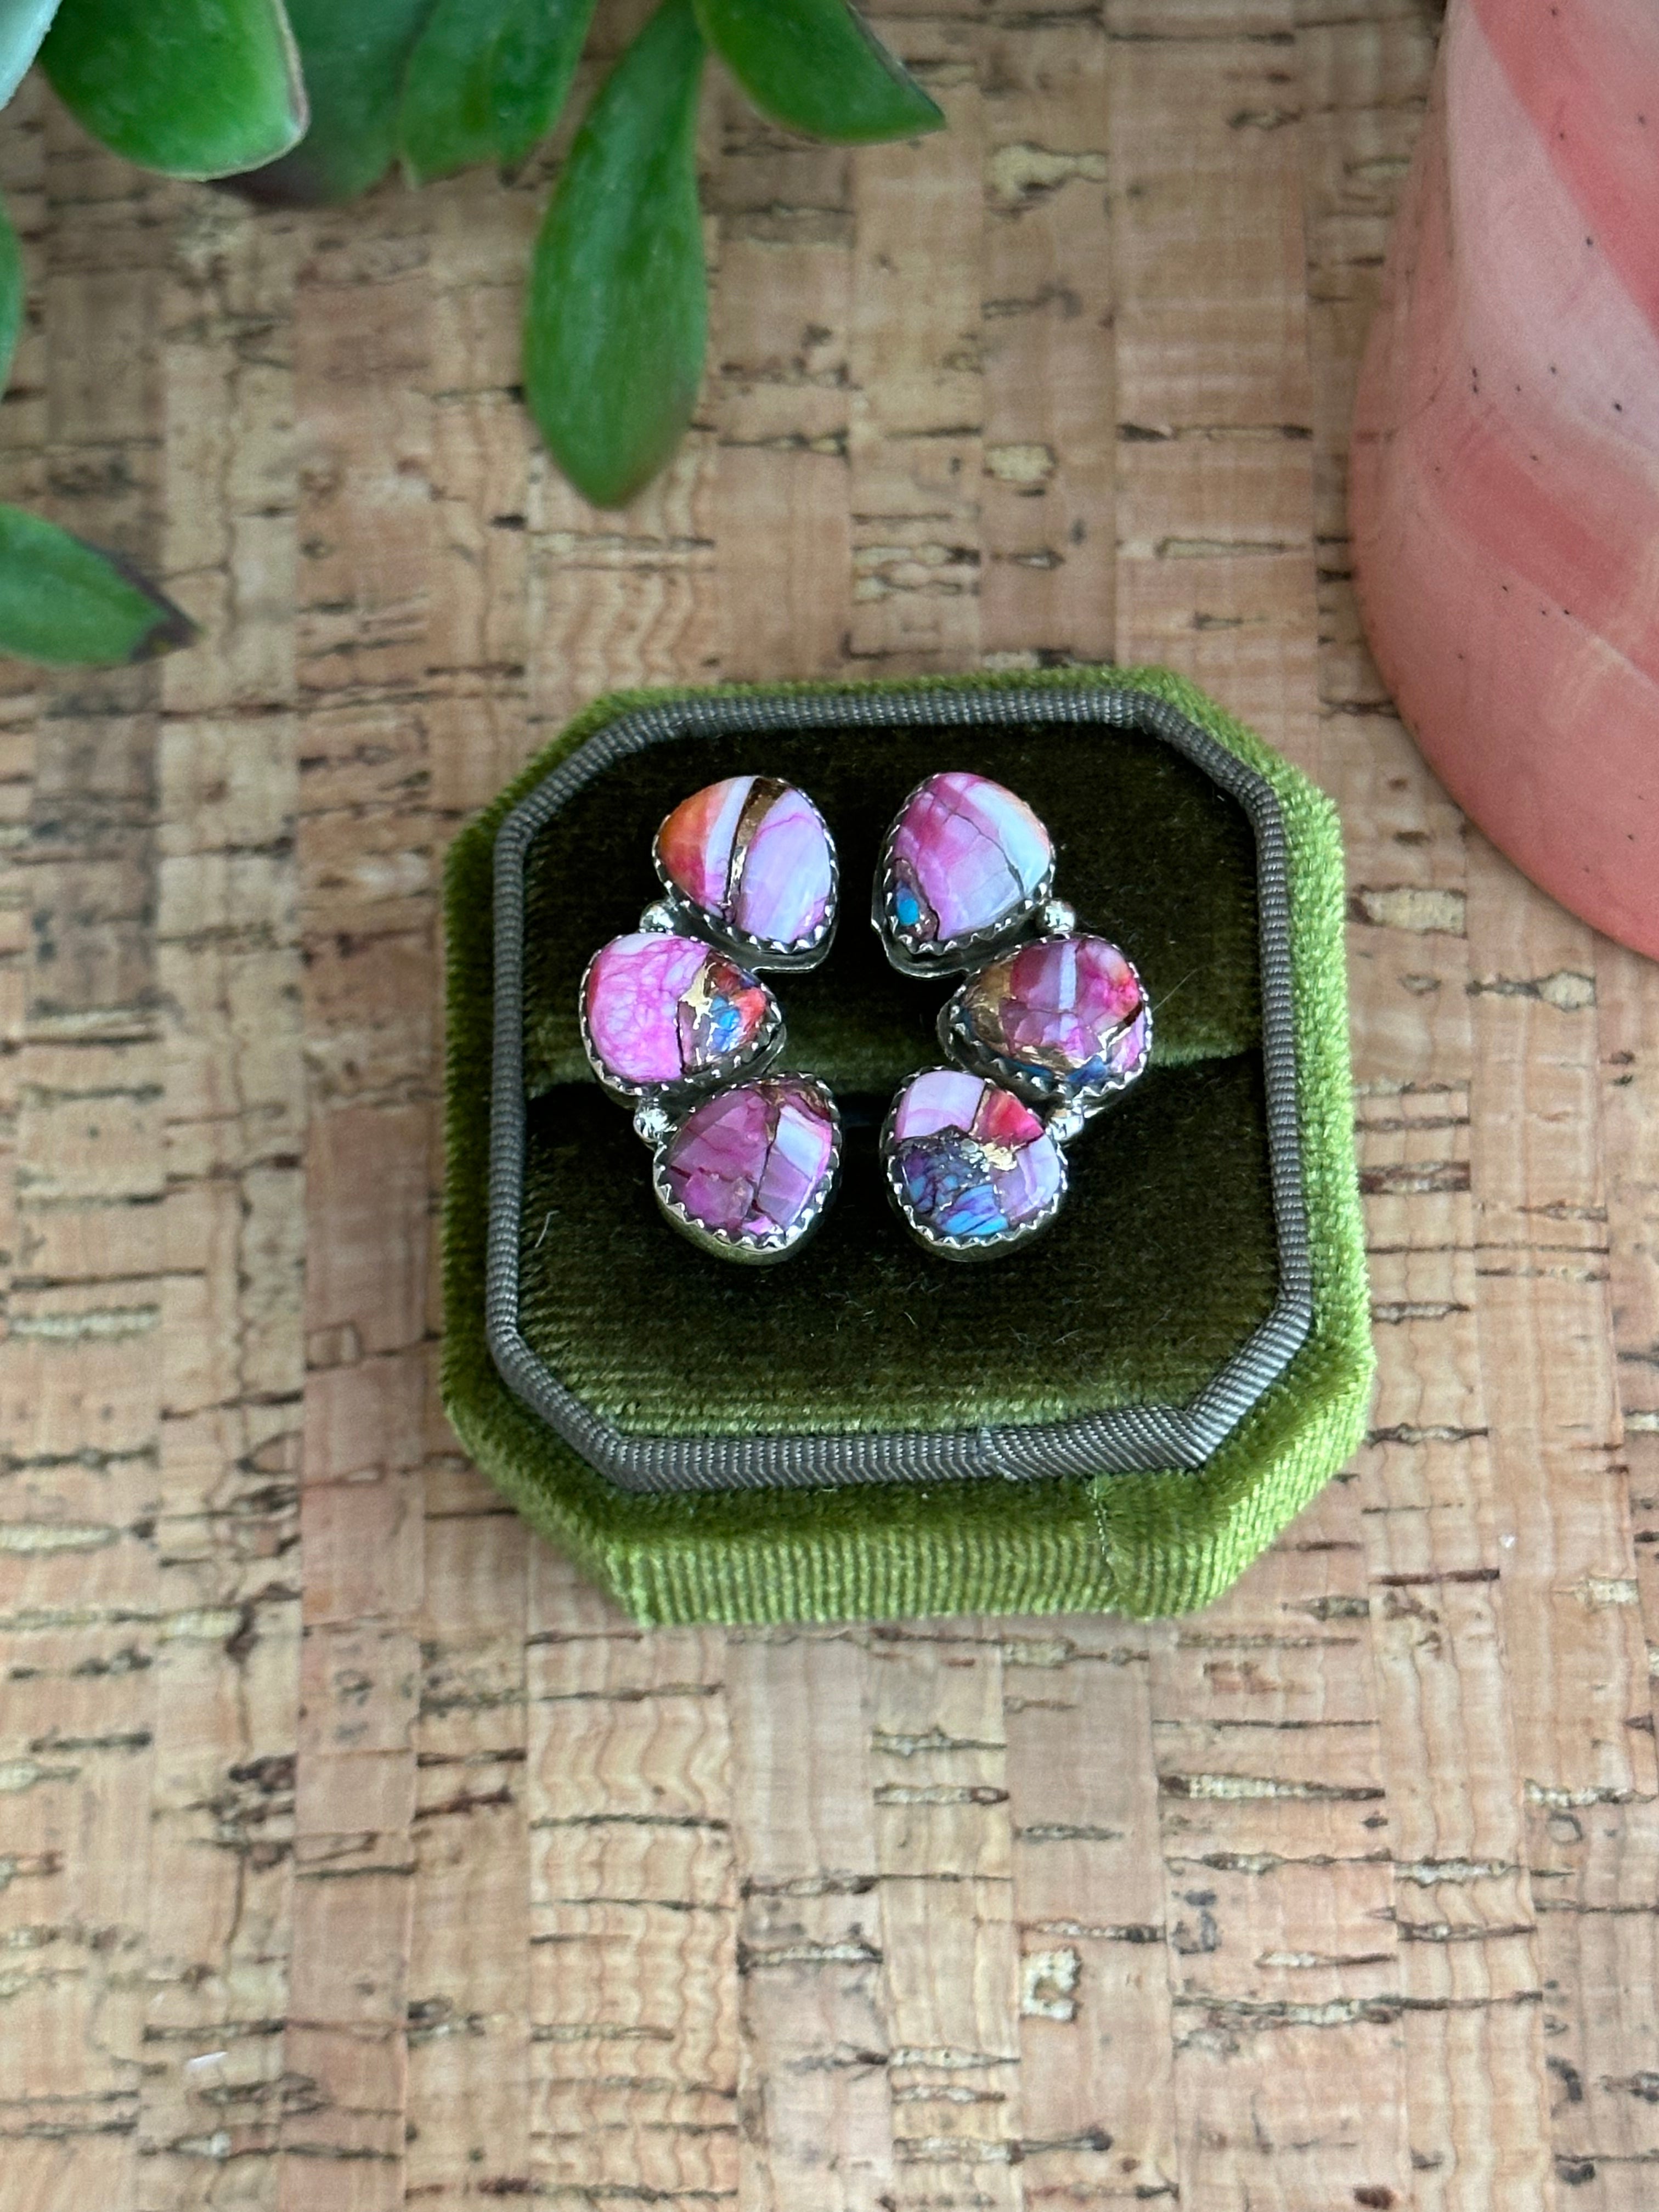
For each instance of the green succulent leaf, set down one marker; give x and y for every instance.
(24, 24)
(191, 88)
(617, 316)
(487, 79)
(353, 53)
(63, 601)
(813, 66)
(12, 293)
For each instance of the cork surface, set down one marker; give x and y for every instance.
(352, 1853)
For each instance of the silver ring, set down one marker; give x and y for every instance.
(677, 1025)
(1050, 1027)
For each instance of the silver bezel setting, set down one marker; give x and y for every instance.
(1041, 1087)
(922, 957)
(970, 1250)
(797, 957)
(1120, 1438)
(756, 1057)
(751, 1251)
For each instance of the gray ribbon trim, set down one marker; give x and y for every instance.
(1133, 1436)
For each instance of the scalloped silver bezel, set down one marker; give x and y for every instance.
(969, 1249)
(1121, 1439)
(794, 958)
(1037, 1087)
(754, 1060)
(750, 1251)
(924, 956)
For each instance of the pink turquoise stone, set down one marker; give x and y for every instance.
(749, 1163)
(663, 1009)
(755, 853)
(972, 1160)
(966, 856)
(1070, 1005)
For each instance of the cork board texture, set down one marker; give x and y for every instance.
(353, 1853)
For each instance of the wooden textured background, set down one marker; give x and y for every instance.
(352, 1853)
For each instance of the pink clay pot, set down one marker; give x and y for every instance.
(1504, 479)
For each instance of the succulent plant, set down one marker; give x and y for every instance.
(312, 100)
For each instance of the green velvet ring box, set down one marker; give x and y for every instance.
(1121, 1416)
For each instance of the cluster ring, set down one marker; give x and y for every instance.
(679, 1026)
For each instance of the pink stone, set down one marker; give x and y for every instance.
(967, 855)
(942, 1098)
(750, 1163)
(1071, 1006)
(663, 1009)
(785, 879)
(694, 845)
(754, 854)
(972, 1161)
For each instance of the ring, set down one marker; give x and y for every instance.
(678, 1026)
(1046, 1034)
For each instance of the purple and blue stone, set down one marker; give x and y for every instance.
(966, 862)
(1064, 1019)
(660, 1011)
(972, 1169)
(753, 859)
(747, 1173)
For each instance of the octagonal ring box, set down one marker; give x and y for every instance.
(1121, 1416)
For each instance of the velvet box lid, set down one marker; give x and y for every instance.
(1120, 1417)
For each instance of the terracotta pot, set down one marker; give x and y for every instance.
(1505, 465)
